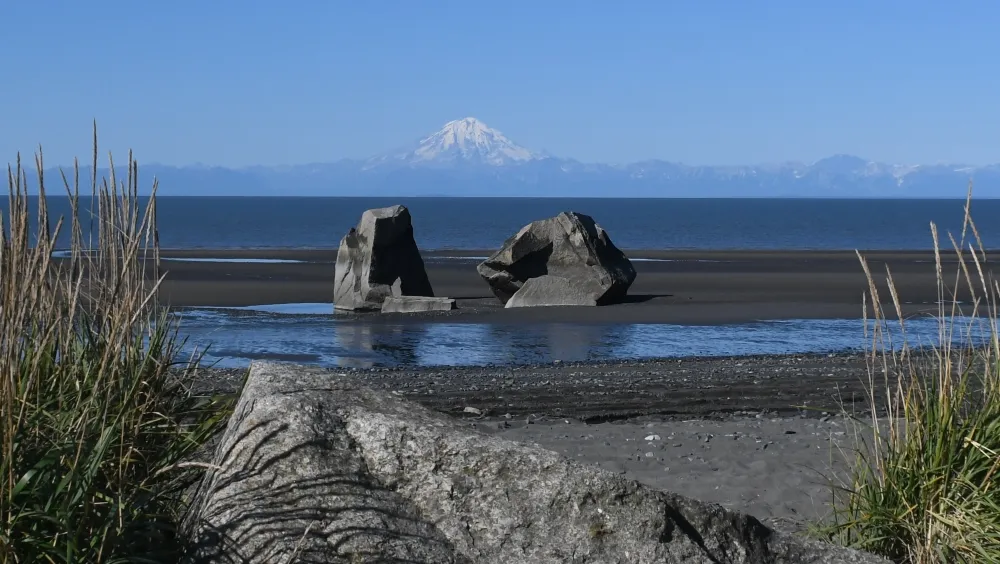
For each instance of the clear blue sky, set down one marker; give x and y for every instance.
(236, 82)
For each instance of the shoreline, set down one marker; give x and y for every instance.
(329, 254)
(677, 287)
(325, 254)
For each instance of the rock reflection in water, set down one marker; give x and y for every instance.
(355, 338)
(238, 336)
(362, 345)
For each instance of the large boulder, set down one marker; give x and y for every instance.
(316, 468)
(571, 246)
(377, 259)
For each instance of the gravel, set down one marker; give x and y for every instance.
(811, 386)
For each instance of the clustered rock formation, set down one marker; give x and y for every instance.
(564, 260)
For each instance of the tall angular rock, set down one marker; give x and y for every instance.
(377, 259)
(570, 246)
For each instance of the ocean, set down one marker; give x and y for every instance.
(484, 223)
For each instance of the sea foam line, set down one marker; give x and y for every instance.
(68, 254)
(303, 308)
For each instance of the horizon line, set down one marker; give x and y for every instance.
(785, 163)
(474, 197)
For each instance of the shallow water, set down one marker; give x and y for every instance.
(310, 334)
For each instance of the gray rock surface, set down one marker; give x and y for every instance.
(416, 304)
(316, 468)
(552, 290)
(570, 245)
(377, 259)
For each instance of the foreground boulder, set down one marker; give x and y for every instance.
(377, 259)
(316, 468)
(571, 246)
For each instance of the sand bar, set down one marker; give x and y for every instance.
(687, 287)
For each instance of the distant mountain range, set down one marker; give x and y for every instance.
(467, 158)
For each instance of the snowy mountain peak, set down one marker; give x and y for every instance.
(467, 128)
(466, 140)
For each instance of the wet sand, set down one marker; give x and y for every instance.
(686, 287)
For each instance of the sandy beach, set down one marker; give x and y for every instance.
(779, 470)
(687, 287)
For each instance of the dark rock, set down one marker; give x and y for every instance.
(416, 304)
(316, 468)
(377, 259)
(569, 245)
(552, 290)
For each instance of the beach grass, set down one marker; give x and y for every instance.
(97, 421)
(924, 486)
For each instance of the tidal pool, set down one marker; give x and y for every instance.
(311, 334)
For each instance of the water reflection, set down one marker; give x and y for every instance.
(238, 336)
(574, 342)
(356, 338)
(362, 345)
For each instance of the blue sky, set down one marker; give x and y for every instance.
(237, 82)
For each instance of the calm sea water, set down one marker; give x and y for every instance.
(484, 223)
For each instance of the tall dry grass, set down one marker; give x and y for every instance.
(925, 485)
(96, 417)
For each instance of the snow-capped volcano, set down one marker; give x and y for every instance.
(468, 158)
(462, 140)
